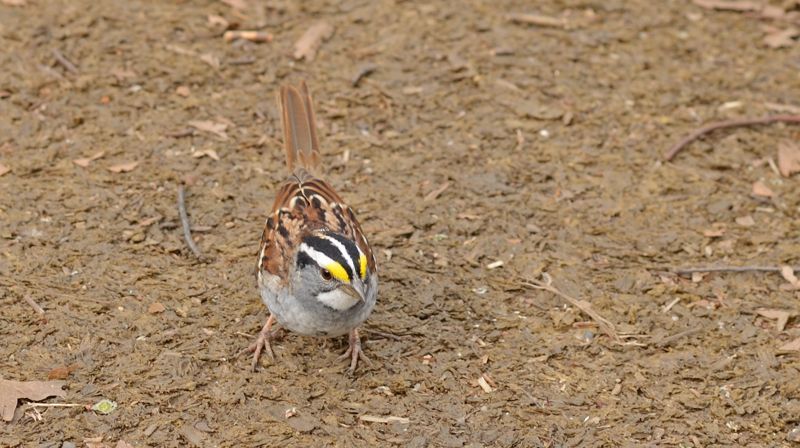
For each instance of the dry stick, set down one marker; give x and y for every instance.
(669, 340)
(66, 63)
(688, 271)
(34, 305)
(586, 307)
(187, 231)
(677, 147)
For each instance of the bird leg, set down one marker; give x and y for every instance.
(354, 352)
(263, 342)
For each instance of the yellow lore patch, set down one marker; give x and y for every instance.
(362, 264)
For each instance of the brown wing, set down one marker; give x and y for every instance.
(304, 205)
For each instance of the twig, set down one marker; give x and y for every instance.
(669, 340)
(677, 147)
(363, 71)
(586, 307)
(187, 231)
(689, 271)
(66, 63)
(56, 405)
(34, 305)
(382, 334)
(180, 134)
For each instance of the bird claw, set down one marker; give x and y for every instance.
(354, 352)
(262, 343)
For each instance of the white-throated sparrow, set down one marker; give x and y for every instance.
(316, 272)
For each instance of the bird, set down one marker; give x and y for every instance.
(316, 272)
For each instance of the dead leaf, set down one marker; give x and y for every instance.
(4, 169)
(210, 126)
(156, 308)
(306, 47)
(206, 152)
(236, 4)
(781, 38)
(435, 193)
(215, 20)
(123, 167)
(788, 274)
(793, 346)
(759, 189)
(122, 74)
(123, 444)
(729, 5)
(781, 316)
(84, 162)
(788, 158)
(783, 108)
(210, 59)
(11, 391)
(61, 373)
(14, 2)
(715, 231)
(745, 221)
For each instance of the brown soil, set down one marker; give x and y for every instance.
(550, 139)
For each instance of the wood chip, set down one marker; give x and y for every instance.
(14, 2)
(729, 5)
(387, 419)
(759, 189)
(183, 91)
(306, 47)
(156, 308)
(86, 161)
(123, 167)
(745, 221)
(11, 391)
(252, 36)
(123, 444)
(536, 19)
(206, 152)
(4, 169)
(494, 265)
(788, 158)
(485, 385)
(61, 373)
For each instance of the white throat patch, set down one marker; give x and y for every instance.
(338, 300)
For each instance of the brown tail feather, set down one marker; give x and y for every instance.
(299, 128)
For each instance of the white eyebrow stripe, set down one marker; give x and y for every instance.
(343, 250)
(321, 259)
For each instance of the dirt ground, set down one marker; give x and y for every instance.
(474, 140)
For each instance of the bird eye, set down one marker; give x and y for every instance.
(326, 274)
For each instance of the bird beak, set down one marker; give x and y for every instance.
(353, 290)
